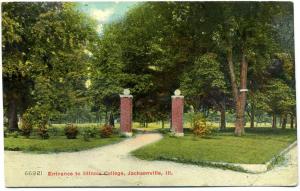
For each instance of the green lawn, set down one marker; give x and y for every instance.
(256, 147)
(55, 144)
(157, 125)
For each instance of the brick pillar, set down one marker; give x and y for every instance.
(177, 113)
(126, 113)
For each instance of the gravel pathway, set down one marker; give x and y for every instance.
(110, 165)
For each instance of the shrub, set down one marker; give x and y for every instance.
(164, 131)
(53, 131)
(200, 127)
(89, 133)
(71, 131)
(93, 132)
(116, 131)
(5, 133)
(86, 135)
(43, 132)
(122, 136)
(35, 117)
(106, 131)
(26, 125)
(15, 134)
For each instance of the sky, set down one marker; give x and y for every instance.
(105, 12)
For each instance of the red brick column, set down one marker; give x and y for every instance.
(126, 114)
(177, 114)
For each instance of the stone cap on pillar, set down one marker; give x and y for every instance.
(126, 93)
(177, 94)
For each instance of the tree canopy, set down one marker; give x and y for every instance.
(224, 56)
(44, 63)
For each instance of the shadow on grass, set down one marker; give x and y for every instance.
(248, 132)
(260, 130)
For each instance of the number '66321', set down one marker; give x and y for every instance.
(33, 173)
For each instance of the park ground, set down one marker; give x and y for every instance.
(190, 160)
(220, 146)
(117, 157)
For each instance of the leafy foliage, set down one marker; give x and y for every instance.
(71, 131)
(200, 127)
(43, 56)
(89, 133)
(26, 125)
(106, 131)
(279, 97)
(15, 134)
(34, 117)
(203, 79)
(43, 132)
(56, 66)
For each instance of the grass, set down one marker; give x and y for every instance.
(58, 141)
(157, 125)
(258, 146)
(55, 144)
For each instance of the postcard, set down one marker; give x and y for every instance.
(148, 94)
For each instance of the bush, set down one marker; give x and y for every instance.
(43, 132)
(89, 133)
(116, 131)
(164, 131)
(93, 132)
(106, 131)
(71, 131)
(15, 134)
(86, 135)
(35, 117)
(200, 127)
(26, 125)
(122, 136)
(5, 133)
(53, 131)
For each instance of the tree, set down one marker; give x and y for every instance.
(129, 61)
(247, 29)
(16, 46)
(205, 83)
(164, 40)
(44, 57)
(280, 99)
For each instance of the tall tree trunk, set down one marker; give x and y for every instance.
(239, 97)
(99, 118)
(12, 116)
(252, 117)
(223, 118)
(106, 116)
(273, 121)
(162, 124)
(292, 121)
(284, 120)
(241, 101)
(111, 119)
(232, 74)
(280, 121)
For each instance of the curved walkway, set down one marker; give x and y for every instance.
(115, 158)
